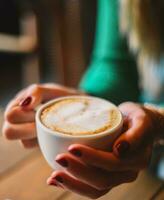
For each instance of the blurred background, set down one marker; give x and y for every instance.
(39, 42)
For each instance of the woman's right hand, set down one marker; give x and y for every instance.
(19, 123)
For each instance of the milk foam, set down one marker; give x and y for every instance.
(80, 116)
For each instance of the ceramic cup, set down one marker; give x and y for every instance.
(53, 143)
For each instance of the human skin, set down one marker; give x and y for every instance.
(98, 171)
(19, 115)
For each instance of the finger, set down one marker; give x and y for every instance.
(136, 137)
(18, 115)
(28, 98)
(32, 98)
(31, 143)
(13, 103)
(107, 160)
(98, 179)
(75, 185)
(19, 131)
(95, 177)
(55, 90)
(42, 93)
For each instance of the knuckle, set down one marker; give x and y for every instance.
(8, 132)
(10, 115)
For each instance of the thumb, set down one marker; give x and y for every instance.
(135, 137)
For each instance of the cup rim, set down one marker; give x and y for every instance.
(63, 135)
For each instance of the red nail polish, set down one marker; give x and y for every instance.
(59, 179)
(26, 102)
(52, 183)
(122, 148)
(63, 162)
(75, 152)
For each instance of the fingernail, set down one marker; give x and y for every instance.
(26, 102)
(52, 182)
(122, 148)
(75, 152)
(63, 162)
(59, 179)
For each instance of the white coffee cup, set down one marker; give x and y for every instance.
(53, 143)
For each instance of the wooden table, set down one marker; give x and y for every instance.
(23, 175)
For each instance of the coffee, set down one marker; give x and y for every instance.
(80, 116)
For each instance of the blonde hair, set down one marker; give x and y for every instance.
(143, 22)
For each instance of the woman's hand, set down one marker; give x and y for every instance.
(93, 173)
(90, 172)
(20, 112)
(139, 131)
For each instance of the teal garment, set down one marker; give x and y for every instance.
(112, 73)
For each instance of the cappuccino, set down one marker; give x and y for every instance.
(80, 116)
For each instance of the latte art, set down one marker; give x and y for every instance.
(81, 116)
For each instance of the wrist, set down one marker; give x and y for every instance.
(157, 115)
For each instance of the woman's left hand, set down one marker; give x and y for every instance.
(92, 173)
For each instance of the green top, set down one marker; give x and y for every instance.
(112, 73)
